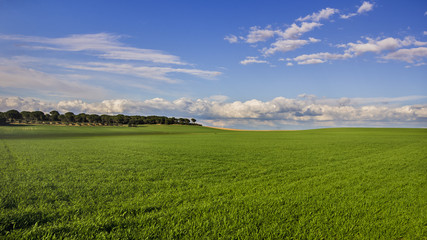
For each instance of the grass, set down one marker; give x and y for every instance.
(189, 182)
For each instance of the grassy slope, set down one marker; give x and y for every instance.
(194, 182)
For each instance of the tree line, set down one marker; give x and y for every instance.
(54, 117)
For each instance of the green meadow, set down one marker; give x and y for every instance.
(192, 182)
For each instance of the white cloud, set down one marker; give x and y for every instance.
(104, 45)
(311, 61)
(322, 14)
(18, 78)
(249, 60)
(365, 7)
(284, 46)
(257, 34)
(425, 33)
(295, 31)
(408, 55)
(393, 46)
(128, 61)
(347, 16)
(320, 57)
(157, 73)
(280, 110)
(289, 64)
(378, 46)
(284, 40)
(231, 38)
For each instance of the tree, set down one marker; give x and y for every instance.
(2, 119)
(26, 116)
(37, 116)
(106, 119)
(69, 117)
(193, 120)
(54, 116)
(62, 118)
(81, 118)
(93, 118)
(13, 115)
(120, 118)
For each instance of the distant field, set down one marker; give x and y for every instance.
(190, 182)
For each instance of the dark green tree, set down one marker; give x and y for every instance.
(54, 116)
(13, 115)
(93, 118)
(37, 116)
(81, 118)
(26, 116)
(2, 119)
(70, 117)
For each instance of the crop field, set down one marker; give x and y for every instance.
(191, 182)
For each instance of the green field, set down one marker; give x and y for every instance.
(190, 182)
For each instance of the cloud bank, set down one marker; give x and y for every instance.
(305, 111)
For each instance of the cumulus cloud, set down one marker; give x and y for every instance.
(322, 14)
(306, 109)
(394, 47)
(231, 38)
(249, 60)
(289, 38)
(320, 57)
(365, 7)
(380, 45)
(295, 31)
(311, 61)
(408, 55)
(256, 34)
(285, 45)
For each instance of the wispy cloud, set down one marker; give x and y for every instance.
(104, 45)
(139, 67)
(157, 73)
(14, 76)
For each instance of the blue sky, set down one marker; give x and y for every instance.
(251, 64)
